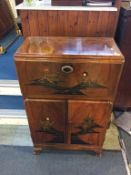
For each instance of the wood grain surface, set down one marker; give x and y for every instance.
(68, 23)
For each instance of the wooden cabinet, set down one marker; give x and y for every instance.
(69, 21)
(68, 86)
(123, 39)
(6, 20)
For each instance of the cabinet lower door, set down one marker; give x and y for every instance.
(88, 121)
(46, 120)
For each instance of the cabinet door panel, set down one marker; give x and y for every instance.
(46, 120)
(88, 121)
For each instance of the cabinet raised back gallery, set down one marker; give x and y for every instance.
(78, 21)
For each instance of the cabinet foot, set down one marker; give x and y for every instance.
(99, 153)
(37, 150)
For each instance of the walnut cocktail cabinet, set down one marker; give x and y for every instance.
(68, 85)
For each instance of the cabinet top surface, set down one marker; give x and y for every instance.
(46, 5)
(68, 47)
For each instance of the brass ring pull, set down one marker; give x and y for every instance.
(67, 69)
(47, 118)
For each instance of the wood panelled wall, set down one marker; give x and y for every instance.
(68, 23)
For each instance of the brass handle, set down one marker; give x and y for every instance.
(67, 69)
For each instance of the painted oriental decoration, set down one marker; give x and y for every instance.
(60, 87)
(88, 126)
(47, 127)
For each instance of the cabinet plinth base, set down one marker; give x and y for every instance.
(41, 147)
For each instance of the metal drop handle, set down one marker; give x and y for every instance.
(67, 69)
